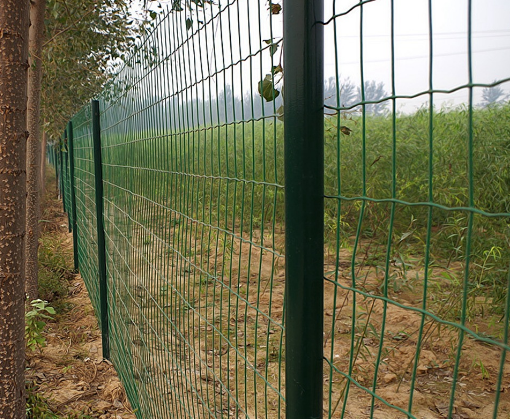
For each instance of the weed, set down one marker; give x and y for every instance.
(34, 325)
(477, 363)
(54, 271)
(66, 369)
(37, 406)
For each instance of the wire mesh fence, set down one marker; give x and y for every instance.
(416, 273)
(85, 195)
(415, 280)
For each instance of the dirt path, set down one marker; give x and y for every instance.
(70, 372)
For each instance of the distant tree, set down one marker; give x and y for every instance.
(83, 38)
(346, 93)
(493, 95)
(373, 92)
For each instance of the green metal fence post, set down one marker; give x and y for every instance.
(67, 171)
(101, 248)
(57, 173)
(70, 147)
(55, 165)
(62, 177)
(304, 206)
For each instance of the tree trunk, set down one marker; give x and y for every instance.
(34, 146)
(43, 165)
(13, 136)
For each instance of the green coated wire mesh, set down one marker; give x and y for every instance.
(85, 197)
(58, 170)
(192, 195)
(417, 255)
(416, 245)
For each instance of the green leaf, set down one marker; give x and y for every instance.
(405, 236)
(153, 15)
(273, 47)
(189, 24)
(266, 89)
(40, 324)
(176, 6)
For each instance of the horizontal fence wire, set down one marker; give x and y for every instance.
(416, 220)
(416, 206)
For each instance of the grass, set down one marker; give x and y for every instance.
(38, 407)
(229, 176)
(180, 208)
(55, 269)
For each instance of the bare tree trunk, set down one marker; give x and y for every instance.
(34, 146)
(43, 165)
(13, 105)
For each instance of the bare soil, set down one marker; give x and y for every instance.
(225, 298)
(70, 371)
(234, 310)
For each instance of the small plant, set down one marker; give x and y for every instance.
(37, 405)
(67, 368)
(478, 363)
(34, 324)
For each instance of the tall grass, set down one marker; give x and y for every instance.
(231, 176)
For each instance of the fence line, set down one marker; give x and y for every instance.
(355, 264)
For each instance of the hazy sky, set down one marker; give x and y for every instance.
(490, 44)
(239, 34)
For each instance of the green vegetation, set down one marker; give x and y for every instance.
(54, 271)
(401, 205)
(232, 176)
(34, 323)
(38, 408)
(355, 166)
(254, 152)
(364, 166)
(37, 405)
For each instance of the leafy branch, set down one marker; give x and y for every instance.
(267, 86)
(34, 325)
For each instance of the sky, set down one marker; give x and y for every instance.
(238, 37)
(412, 36)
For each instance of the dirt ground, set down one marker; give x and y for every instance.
(70, 371)
(237, 320)
(385, 336)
